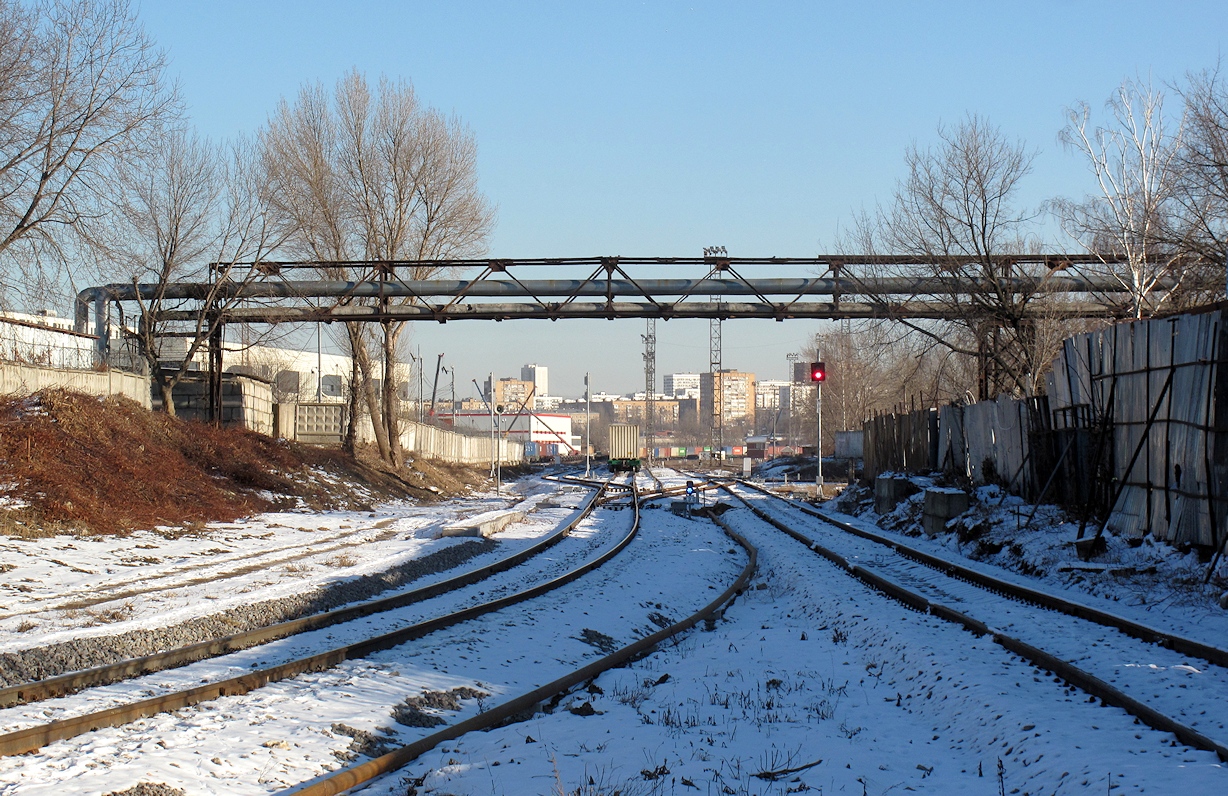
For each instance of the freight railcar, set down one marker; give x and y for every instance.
(624, 448)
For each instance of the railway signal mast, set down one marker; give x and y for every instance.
(588, 437)
(650, 389)
(818, 375)
(714, 361)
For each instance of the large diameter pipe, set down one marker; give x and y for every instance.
(641, 288)
(621, 309)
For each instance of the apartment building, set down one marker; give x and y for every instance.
(737, 396)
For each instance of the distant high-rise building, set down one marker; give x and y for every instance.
(539, 376)
(510, 393)
(768, 394)
(771, 404)
(737, 396)
(682, 385)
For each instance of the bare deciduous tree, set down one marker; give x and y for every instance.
(959, 206)
(81, 89)
(1202, 186)
(1128, 224)
(188, 212)
(875, 366)
(374, 176)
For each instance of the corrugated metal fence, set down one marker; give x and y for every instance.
(903, 442)
(1134, 425)
(1162, 393)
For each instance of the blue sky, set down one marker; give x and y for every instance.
(660, 128)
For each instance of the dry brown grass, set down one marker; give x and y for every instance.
(110, 466)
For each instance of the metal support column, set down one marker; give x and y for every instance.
(794, 385)
(718, 386)
(490, 404)
(216, 337)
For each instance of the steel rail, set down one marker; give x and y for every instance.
(1075, 676)
(1041, 599)
(62, 685)
(343, 780)
(34, 738)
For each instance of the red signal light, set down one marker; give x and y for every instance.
(818, 371)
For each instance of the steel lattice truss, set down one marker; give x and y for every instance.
(623, 287)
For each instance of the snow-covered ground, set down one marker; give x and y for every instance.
(815, 683)
(811, 682)
(65, 587)
(1150, 582)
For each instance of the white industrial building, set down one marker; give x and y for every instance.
(771, 394)
(44, 340)
(297, 375)
(543, 429)
(681, 385)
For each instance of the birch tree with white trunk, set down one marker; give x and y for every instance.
(1128, 222)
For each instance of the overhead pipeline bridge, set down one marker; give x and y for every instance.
(847, 287)
(852, 287)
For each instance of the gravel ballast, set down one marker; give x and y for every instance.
(40, 663)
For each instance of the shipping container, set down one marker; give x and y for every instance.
(530, 449)
(624, 441)
(552, 449)
(625, 450)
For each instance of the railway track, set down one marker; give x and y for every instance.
(56, 730)
(62, 685)
(30, 738)
(221, 565)
(1054, 633)
(342, 781)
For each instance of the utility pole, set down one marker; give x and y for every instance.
(435, 387)
(650, 388)
(588, 437)
(319, 367)
(490, 404)
(793, 385)
(499, 456)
